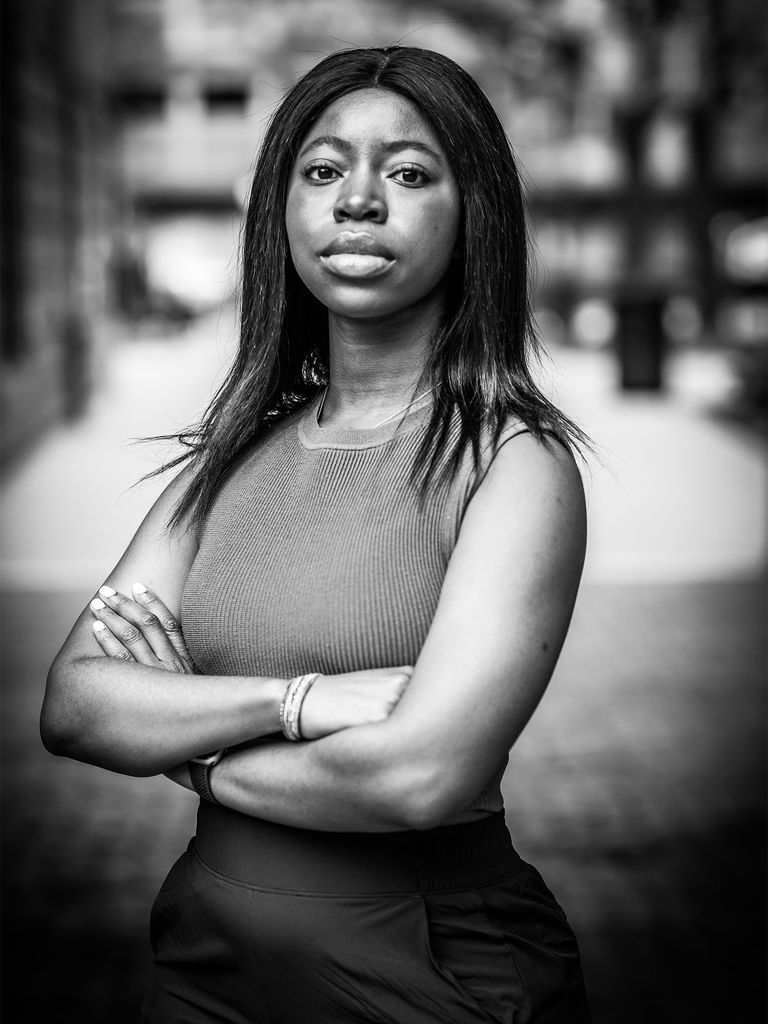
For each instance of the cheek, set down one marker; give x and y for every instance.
(438, 233)
(299, 248)
(300, 216)
(293, 221)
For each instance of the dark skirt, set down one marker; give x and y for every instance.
(260, 923)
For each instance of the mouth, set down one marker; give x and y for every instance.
(348, 264)
(356, 254)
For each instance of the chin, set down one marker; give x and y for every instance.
(372, 300)
(357, 303)
(364, 310)
(366, 305)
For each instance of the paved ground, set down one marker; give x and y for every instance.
(638, 788)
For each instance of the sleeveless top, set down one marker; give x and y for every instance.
(318, 555)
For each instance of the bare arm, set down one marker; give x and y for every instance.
(135, 714)
(138, 719)
(503, 615)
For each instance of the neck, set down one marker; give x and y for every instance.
(376, 364)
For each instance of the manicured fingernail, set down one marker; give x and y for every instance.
(98, 626)
(107, 591)
(97, 605)
(139, 588)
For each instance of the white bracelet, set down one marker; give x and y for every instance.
(290, 706)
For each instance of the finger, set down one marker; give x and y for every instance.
(152, 628)
(170, 624)
(125, 625)
(109, 643)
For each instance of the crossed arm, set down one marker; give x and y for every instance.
(501, 620)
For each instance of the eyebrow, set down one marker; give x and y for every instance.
(388, 147)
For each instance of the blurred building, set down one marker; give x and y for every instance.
(639, 125)
(194, 83)
(131, 127)
(650, 177)
(57, 199)
(181, 85)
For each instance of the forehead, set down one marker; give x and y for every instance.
(370, 115)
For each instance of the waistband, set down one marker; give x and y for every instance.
(270, 856)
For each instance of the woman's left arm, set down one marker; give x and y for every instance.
(501, 620)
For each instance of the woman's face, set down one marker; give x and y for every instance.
(373, 208)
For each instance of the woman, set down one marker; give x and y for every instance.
(378, 483)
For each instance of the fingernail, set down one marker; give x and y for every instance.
(97, 605)
(98, 626)
(139, 588)
(107, 591)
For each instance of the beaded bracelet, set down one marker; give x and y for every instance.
(290, 706)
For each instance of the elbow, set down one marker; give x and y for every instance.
(395, 787)
(68, 730)
(421, 798)
(58, 730)
(428, 810)
(54, 739)
(62, 734)
(63, 737)
(78, 730)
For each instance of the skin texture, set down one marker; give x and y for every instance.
(403, 196)
(372, 165)
(140, 711)
(501, 620)
(511, 583)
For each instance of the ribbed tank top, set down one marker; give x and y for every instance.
(318, 555)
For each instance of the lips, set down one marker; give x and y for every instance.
(356, 254)
(357, 242)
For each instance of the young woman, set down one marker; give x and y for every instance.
(374, 548)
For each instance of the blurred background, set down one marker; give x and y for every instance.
(129, 128)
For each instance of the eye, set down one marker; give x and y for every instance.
(410, 176)
(321, 174)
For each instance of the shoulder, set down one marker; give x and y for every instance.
(513, 450)
(158, 519)
(531, 486)
(544, 464)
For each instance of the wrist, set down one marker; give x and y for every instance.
(292, 704)
(200, 769)
(271, 699)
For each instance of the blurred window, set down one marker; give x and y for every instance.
(593, 323)
(682, 320)
(668, 250)
(743, 321)
(601, 251)
(229, 99)
(746, 251)
(139, 102)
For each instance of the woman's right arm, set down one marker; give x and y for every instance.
(134, 718)
(138, 715)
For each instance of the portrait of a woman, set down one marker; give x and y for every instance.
(341, 613)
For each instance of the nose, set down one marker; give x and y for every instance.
(360, 199)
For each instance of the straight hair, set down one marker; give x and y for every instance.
(480, 358)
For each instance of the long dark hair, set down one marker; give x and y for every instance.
(482, 349)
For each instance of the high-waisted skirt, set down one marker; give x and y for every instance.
(259, 923)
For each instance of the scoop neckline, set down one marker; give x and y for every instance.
(314, 435)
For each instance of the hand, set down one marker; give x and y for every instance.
(354, 698)
(141, 630)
